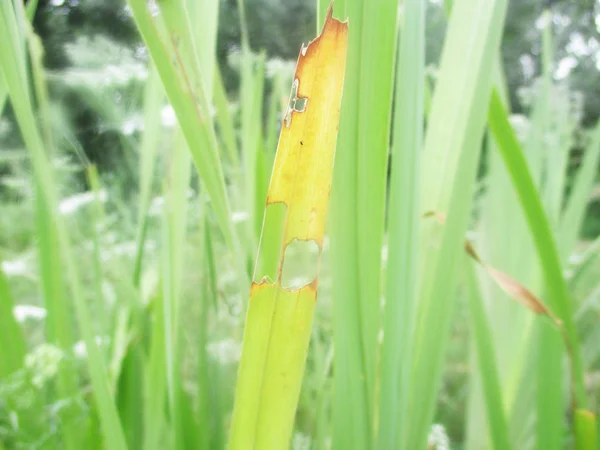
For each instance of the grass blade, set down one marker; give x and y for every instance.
(358, 210)
(153, 101)
(225, 122)
(556, 288)
(279, 319)
(403, 225)
(452, 145)
(559, 301)
(486, 359)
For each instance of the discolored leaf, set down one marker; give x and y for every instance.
(279, 319)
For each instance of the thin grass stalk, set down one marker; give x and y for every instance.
(153, 101)
(225, 123)
(403, 227)
(351, 406)
(210, 427)
(503, 239)
(559, 299)
(358, 203)
(556, 288)
(487, 363)
(549, 387)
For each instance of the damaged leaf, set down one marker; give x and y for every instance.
(279, 320)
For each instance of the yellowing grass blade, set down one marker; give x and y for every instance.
(278, 323)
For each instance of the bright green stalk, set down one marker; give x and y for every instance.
(20, 99)
(352, 406)
(452, 147)
(378, 49)
(556, 288)
(558, 296)
(129, 384)
(486, 359)
(504, 242)
(358, 200)
(549, 389)
(403, 217)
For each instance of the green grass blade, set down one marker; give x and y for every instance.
(129, 396)
(452, 145)
(209, 413)
(155, 419)
(486, 359)
(558, 296)
(403, 225)
(251, 97)
(153, 101)
(225, 122)
(549, 367)
(358, 203)
(351, 415)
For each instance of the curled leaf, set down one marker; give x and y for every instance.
(507, 283)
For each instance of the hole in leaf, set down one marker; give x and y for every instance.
(300, 264)
(296, 104)
(269, 252)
